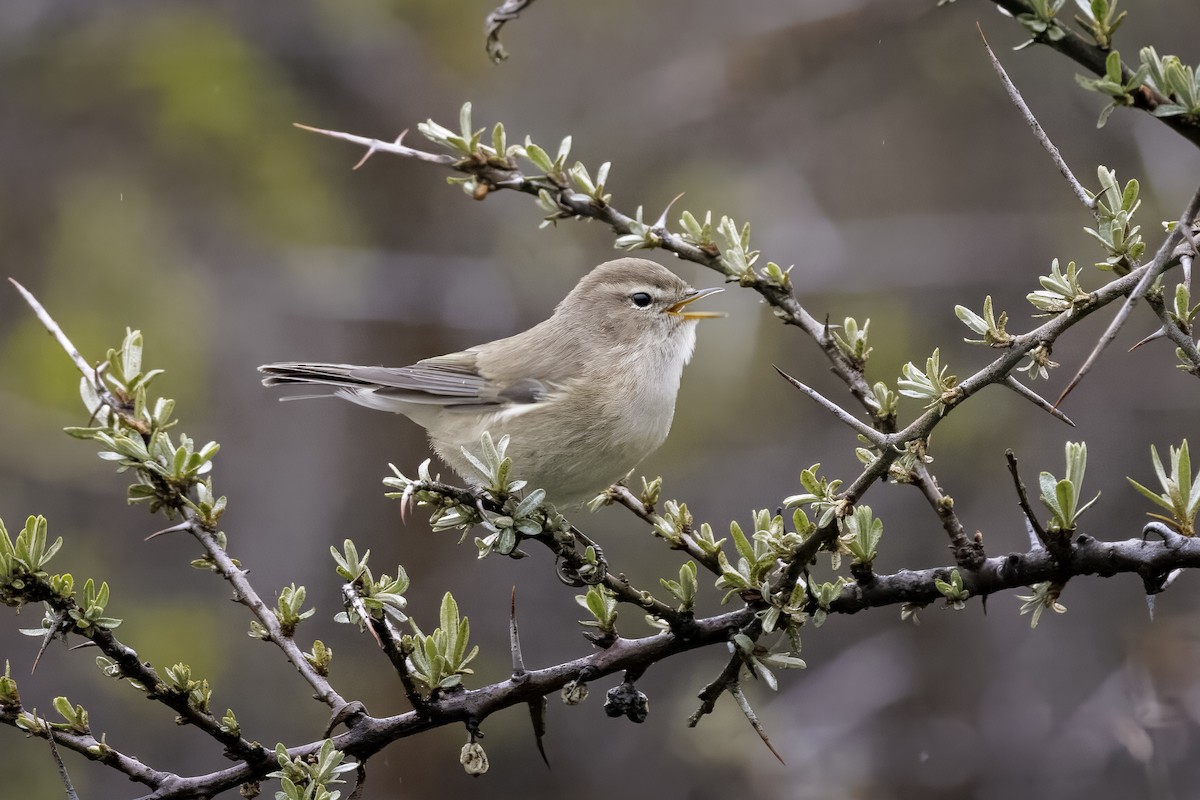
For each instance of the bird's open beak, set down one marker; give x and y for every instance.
(680, 308)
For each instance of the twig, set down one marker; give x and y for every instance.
(89, 747)
(1092, 58)
(1035, 126)
(717, 687)
(57, 626)
(1012, 383)
(388, 639)
(865, 430)
(968, 554)
(1149, 273)
(86, 369)
(506, 12)
(1087, 556)
(377, 145)
(245, 594)
(623, 496)
(131, 666)
(1023, 498)
(62, 770)
(514, 641)
(537, 707)
(736, 691)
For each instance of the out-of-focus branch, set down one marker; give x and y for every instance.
(1092, 57)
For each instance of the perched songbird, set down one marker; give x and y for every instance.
(584, 396)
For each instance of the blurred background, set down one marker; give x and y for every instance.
(152, 178)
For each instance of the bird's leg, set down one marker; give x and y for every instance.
(601, 562)
(571, 562)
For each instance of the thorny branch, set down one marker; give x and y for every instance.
(1092, 58)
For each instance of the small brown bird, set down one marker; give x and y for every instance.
(584, 396)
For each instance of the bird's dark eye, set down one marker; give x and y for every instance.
(640, 299)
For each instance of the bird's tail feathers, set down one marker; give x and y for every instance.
(289, 372)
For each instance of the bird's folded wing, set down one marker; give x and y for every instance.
(449, 380)
(446, 380)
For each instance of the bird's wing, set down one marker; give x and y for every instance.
(449, 380)
(445, 380)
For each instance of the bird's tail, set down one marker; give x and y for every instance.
(336, 376)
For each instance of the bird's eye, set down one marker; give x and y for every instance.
(640, 299)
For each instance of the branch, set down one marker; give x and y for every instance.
(1092, 58)
(623, 496)
(87, 370)
(228, 568)
(133, 667)
(92, 748)
(968, 553)
(370, 735)
(1036, 127)
(863, 429)
(1148, 274)
(245, 594)
(1023, 501)
(1085, 556)
(388, 639)
(499, 171)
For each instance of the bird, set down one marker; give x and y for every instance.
(584, 396)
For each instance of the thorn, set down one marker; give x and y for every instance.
(1036, 399)
(62, 769)
(1150, 606)
(1038, 131)
(860, 427)
(310, 128)
(1158, 334)
(752, 718)
(55, 627)
(378, 145)
(183, 526)
(1171, 576)
(1037, 535)
(1075, 381)
(1034, 544)
(662, 219)
(373, 149)
(537, 716)
(352, 602)
(514, 641)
